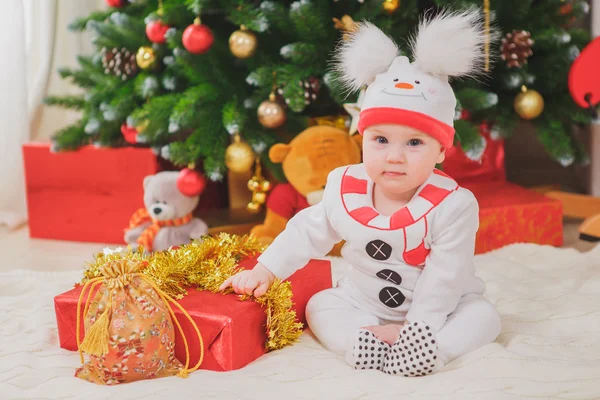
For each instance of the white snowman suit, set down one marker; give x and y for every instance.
(415, 266)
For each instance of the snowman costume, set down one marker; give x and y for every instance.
(416, 265)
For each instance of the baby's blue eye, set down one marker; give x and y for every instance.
(381, 139)
(415, 142)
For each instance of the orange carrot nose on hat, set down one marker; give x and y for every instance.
(415, 94)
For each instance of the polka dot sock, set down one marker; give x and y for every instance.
(367, 352)
(415, 353)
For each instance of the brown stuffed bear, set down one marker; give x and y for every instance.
(307, 161)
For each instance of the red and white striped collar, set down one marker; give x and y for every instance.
(357, 197)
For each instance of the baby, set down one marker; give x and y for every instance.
(411, 303)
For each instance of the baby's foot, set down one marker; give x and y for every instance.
(415, 353)
(366, 351)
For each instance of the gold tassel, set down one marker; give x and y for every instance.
(96, 338)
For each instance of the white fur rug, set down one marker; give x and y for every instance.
(549, 347)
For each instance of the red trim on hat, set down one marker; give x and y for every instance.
(351, 184)
(388, 115)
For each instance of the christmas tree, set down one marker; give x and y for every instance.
(215, 83)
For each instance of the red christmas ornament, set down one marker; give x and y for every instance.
(485, 128)
(197, 38)
(566, 8)
(190, 182)
(465, 115)
(129, 133)
(115, 3)
(156, 31)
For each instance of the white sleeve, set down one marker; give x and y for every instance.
(308, 234)
(448, 266)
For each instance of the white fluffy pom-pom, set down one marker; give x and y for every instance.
(451, 43)
(367, 52)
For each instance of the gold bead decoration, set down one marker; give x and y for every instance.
(145, 57)
(253, 207)
(259, 187)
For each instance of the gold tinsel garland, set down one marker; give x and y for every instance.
(205, 265)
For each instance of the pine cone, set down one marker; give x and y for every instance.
(516, 48)
(119, 62)
(312, 86)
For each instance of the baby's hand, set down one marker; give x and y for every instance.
(255, 281)
(386, 333)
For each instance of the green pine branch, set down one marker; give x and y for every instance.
(308, 23)
(120, 31)
(301, 53)
(78, 77)
(196, 6)
(249, 16)
(72, 102)
(276, 14)
(475, 100)
(70, 137)
(557, 142)
(234, 117)
(191, 102)
(154, 116)
(81, 24)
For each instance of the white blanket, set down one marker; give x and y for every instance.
(549, 347)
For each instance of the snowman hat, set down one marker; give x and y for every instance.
(416, 94)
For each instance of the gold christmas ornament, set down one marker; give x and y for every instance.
(239, 156)
(253, 207)
(253, 184)
(145, 57)
(205, 265)
(258, 185)
(271, 114)
(529, 104)
(259, 197)
(390, 6)
(243, 43)
(265, 186)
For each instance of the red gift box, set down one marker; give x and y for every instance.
(89, 195)
(233, 331)
(489, 168)
(509, 213)
(86, 195)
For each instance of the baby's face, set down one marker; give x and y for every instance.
(399, 158)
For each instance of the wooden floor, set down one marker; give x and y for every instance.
(571, 236)
(18, 251)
